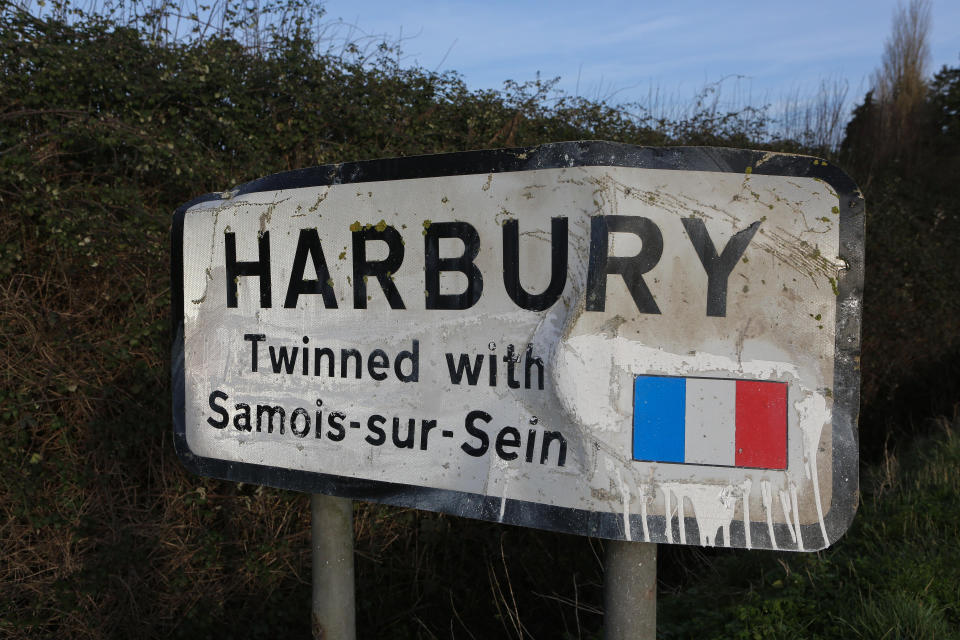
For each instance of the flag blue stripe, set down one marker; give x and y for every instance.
(658, 418)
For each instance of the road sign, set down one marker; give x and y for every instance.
(655, 344)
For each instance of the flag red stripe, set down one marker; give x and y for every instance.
(761, 439)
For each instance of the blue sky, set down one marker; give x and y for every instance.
(623, 50)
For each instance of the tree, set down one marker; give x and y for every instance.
(945, 107)
(899, 85)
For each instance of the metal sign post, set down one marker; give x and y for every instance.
(630, 591)
(331, 528)
(638, 344)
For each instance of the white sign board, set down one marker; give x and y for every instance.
(624, 342)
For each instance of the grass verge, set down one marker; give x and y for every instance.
(895, 574)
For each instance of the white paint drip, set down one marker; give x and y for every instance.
(796, 514)
(643, 514)
(681, 518)
(814, 412)
(668, 514)
(816, 498)
(506, 474)
(765, 493)
(713, 507)
(785, 504)
(625, 498)
(728, 500)
(746, 512)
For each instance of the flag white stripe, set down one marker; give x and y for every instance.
(710, 421)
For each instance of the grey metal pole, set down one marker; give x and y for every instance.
(333, 614)
(630, 591)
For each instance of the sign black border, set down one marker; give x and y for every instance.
(846, 388)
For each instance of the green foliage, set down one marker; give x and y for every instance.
(895, 574)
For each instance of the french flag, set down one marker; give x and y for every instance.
(729, 423)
